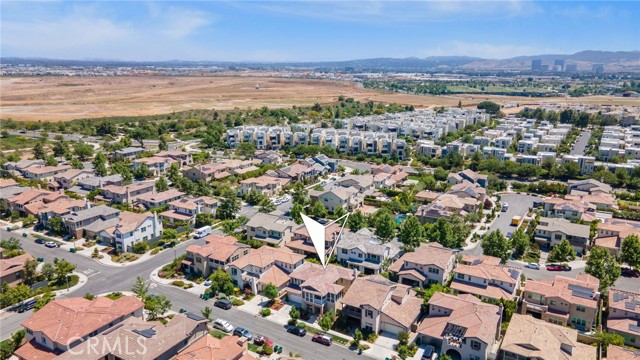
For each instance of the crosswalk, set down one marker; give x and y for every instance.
(91, 272)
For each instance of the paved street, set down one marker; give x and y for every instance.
(518, 205)
(580, 146)
(103, 279)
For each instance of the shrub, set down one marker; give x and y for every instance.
(265, 312)
(179, 283)
(292, 322)
(301, 325)
(188, 286)
(237, 302)
(155, 251)
(266, 349)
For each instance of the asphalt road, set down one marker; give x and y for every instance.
(103, 279)
(580, 146)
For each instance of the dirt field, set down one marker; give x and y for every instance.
(68, 98)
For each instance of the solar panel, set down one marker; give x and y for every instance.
(148, 333)
(634, 328)
(631, 305)
(618, 297)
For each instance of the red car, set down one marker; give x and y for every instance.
(261, 340)
(555, 267)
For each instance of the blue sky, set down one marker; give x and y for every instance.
(312, 30)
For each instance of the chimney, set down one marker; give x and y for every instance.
(128, 195)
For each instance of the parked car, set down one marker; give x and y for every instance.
(223, 325)
(505, 206)
(51, 244)
(535, 266)
(297, 331)
(40, 241)
(555, 267)
(207, 283)
(629, 272)
(429, 353)
(323, 339)
(261, 340)
(26, 306)
(243, 332)
(223, 304)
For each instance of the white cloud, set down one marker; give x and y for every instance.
(487, 51)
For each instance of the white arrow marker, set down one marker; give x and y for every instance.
(317, 233)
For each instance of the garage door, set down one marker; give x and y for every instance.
(391, 328)
(295, 298)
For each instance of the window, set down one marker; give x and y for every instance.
(473, 357)
(345, 251)
(460, 276)
(143, 229)
(234, 271)
(368, 313)
(475, 345)
(434, 271)
(552, 302)
(580, 308)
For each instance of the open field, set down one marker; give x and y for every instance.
(68, 98)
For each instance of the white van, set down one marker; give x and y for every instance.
(202, 232)
(223, 325)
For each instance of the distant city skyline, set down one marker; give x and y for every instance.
(313, 30)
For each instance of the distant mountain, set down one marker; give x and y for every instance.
(612, 61)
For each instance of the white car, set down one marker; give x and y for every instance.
(223, 325)
(533, 266)
(505, 206)
(207, 283)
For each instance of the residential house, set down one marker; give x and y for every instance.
(380, 305)
(551, 232)
(590, 186)
(65, 323)
(77, 221)
(217, 252)
(569, 208)
(44, 173)
(23, 164)
(428, 264)
(131, 229)
(182, 157)
(474, 177)
(301, 242)
(8, 192)
(463, 327)
(318, 289)
(141, 340)
(299, 171)
(264, 266)
(364, 252)
(530, 338)
(362, 183)
(446, 206)
(348, 198)
(624, 315)
(126, 193)
(211, 348)
(611, 233)
(268, 157)
(12, 269)
(45, 211)
(96, 182)
(128, 153)
(466, 189)
(563, 301)
(186, 209)
(486, 278)
(427, 196)
(70, 177)
(157, 165)
(151, 200)
(270, 229)
(265, 185)
(620, 353)
(30, 196)
(207, 172)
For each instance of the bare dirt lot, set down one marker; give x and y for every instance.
(68, 98)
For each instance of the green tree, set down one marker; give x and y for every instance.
(434, 288)
(271, 292)
(356, 221)
(246, 149)
(229, 204)
(294, 313)
(603, 266)
(56, 226)
(519, 243)
(50, 161)
(318, 210)
(385, 227)
(163, 145)
(326, 321)
(140, 289)
(174, 172)
(140, 247)
(161, 184)
(60, 148)
(608, 338)
(48, 271)
(157, 306)
(299, 193)
(204, 219)
(100, 164)
(266, 205)
(142, 171)
(62, 269)
(14, 294)
(11, 244)
(221, 282)
(38, 151)
(254, 197)
(30, 272)
(296, 210)
(82, 150)
(169, 234)
(630, 251)
(495, 244)
(562, 252)
(77, 164)
(411, 233)
(357, 337)
(490, 107)
(206, 312)
(43, 300)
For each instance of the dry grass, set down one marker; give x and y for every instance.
(67, 98)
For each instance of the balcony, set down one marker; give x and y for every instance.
(352, 312)
(536, 307)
